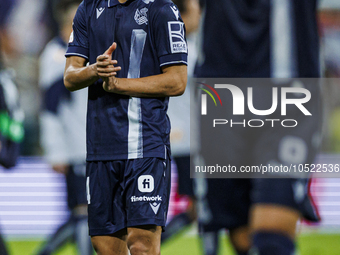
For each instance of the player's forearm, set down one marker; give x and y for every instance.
(150, 86)
(169, 83)
(76, 78)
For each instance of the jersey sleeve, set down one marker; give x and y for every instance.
(78, 43)
(169, 35)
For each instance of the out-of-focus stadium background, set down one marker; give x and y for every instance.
(33, 197)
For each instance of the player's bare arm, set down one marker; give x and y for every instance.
(78, 76)
(171, 82)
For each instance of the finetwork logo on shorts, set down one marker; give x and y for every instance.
(300, 97)
(157, 198)
(145, 183)
(154, 201)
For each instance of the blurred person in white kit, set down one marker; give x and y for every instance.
(63, 133)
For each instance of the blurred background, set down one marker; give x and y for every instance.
(33, 196)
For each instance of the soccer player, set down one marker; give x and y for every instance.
(62, 129)
(179, 114)
(259, 38)
(136, 54)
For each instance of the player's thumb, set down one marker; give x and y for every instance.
(111, 49)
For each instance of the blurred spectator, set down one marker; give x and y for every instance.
(49, 17)
(11, 128)
(330, 32)
(63, 133)
(259, 39)
(11, 117)
(179, 114)
(28, 35)
(6, 42)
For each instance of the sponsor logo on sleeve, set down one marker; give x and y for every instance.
(177, 37)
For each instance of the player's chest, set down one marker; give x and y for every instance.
(118, 23)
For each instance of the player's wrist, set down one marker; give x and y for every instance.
(94, 71)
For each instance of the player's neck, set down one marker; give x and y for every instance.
(122, 1)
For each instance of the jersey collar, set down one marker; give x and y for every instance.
(112, 3)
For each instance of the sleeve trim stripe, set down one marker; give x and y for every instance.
(174, 62)
(76, 54)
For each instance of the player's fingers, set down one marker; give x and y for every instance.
(107, 69)
(102, 58)
(104, 64)
(107, 75)
(117, 68)
(111, 49)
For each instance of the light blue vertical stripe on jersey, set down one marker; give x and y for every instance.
(283, 57)
(135, 135)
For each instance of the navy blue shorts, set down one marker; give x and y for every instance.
(127, 193)
(76, 185)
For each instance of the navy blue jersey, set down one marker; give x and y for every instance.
(259, 38)
(149, 34)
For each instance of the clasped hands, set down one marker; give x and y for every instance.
(106, 69)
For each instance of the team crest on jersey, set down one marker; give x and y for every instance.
(141, 16)
(177, 37)
(148, 1)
